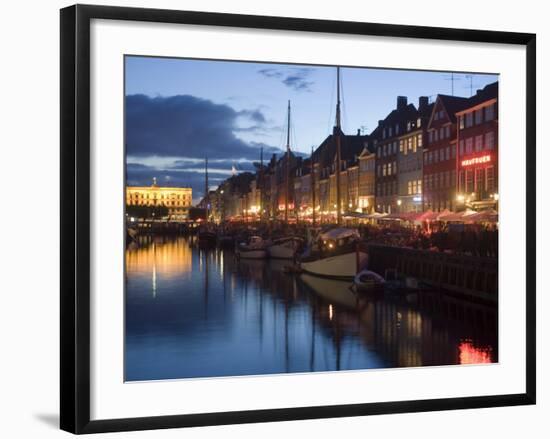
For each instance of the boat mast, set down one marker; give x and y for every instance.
(337, 131)
(287, 176)
(261, 182)
(312, 187)
(206, 194)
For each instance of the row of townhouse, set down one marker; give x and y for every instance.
(433, 156)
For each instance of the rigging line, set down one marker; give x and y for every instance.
(330, 123)
(344, 110)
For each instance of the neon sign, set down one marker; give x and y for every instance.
(477, 160)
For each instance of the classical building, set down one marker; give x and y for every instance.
(387, 136)
(410, 159)
(176, 199)
(477, 150)
(440, 161)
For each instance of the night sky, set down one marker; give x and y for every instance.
(179, 111)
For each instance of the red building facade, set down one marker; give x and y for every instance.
(440, 156)
(477, 150)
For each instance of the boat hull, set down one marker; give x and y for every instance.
(331, 290)
(336, 267)
(286, 250)
(252, 254)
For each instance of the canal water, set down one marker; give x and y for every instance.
(201, 313)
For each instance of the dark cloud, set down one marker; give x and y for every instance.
(297, 79)
(188, 126)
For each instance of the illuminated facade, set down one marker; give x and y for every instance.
(440, 158)
(477, 164)
(176, 199)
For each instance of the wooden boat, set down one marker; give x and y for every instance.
(255, 248)
(336, 255)
(285, 248)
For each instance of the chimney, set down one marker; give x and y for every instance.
(380, 122)
(422, 102)
(401, 102)
(358, 131)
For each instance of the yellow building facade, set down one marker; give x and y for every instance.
(178, 200)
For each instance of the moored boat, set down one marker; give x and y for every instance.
(255, 248)
(206, 238)
(335, 255)
(285, 248)
(368, 281)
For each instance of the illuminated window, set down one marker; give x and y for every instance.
(461, 122)
(490, 175)
(419, 140)
(469, 181)
(480, 180)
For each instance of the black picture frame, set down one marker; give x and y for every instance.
(75, 217)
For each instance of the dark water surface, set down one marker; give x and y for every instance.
(200, 313)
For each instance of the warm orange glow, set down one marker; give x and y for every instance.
(469, 354)
(168, 259)
(476, 160)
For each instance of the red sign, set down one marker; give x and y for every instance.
(476, 160)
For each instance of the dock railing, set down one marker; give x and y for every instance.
(455, 272)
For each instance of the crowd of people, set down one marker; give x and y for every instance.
(476, 240)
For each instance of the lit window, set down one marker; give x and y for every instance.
(490, 175)
(419, 140)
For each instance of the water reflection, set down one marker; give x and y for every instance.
(201, 313)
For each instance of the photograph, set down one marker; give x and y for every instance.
(296, 218)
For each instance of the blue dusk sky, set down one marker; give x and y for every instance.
(178, 111)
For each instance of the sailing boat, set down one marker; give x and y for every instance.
(336, 253)
(206, 235)
(288, 246)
